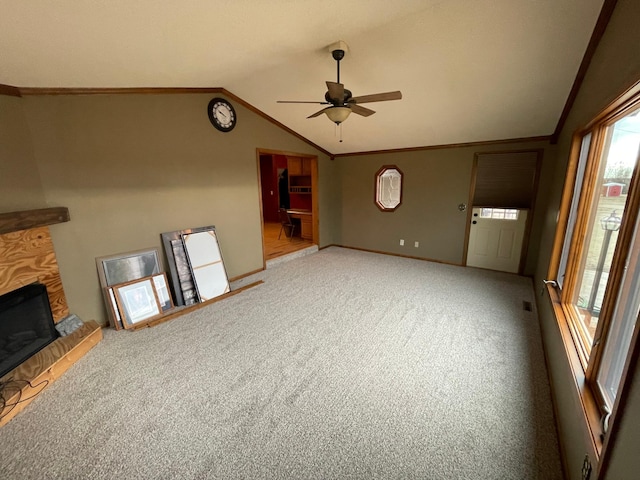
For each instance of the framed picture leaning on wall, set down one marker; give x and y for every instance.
(195, 264)
(206, 263)
(182, 284)
(125, 267)
(137, 302)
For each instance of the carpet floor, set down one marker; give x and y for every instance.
(342, 365)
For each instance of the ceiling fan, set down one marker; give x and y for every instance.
(341, 101)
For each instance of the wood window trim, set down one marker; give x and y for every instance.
(588, 404)
(569, 315)
(376, 191)
(578, 335)
(565, 207)
(584, 373)
(585, 210)
(585, 219)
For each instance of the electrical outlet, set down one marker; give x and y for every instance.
(401, 242)
(586, 468)
(417, 244)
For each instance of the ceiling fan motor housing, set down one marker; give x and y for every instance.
(337, 54)
(336, 101)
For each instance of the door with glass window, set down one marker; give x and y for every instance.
(503, 197)
(495, 238)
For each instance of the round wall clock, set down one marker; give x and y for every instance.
(221, 114)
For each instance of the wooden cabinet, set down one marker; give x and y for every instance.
(306, 222)
(299, 166)
(299, 184)
(306, 227)
(299, 169)
(306, 166)
(294, 165)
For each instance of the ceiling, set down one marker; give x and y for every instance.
(469, 70)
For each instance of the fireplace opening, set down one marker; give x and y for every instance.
(26, 325)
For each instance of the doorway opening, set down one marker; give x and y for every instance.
(503, 191)
(288, 181)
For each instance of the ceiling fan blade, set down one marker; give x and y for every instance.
(301, 101)
(317, 114)
(336, 91)
(365, 112)
(377, 97)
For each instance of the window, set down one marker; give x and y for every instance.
(388, 188)
(500, 213)
(596, 260)
(582, 162)
(621, 328)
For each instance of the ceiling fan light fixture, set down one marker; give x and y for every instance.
(338, 114)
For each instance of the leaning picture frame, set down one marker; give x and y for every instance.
(182, 281)
(162, 291)
(125, 267)
(207, 266)
(113, 307)
(137, 302)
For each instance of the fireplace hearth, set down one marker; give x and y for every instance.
(28, 258)
(26, 325)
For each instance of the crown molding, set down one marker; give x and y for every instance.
(10, 91)
(598, 31)
(545, 138)
(25, 91)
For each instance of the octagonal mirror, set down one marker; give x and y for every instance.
(388, 188)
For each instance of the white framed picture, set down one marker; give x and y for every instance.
(206, 263)
(137, 301)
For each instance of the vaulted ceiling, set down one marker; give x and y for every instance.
(469, 70)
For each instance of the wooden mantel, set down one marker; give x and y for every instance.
(27, 256)
(27, 219)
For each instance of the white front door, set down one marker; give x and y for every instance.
(495, 238)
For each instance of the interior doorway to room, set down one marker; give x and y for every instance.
(288, 181)
(503, 194)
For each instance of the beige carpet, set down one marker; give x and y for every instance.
(342, 365)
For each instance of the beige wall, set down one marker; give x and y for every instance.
(435, 183)
(130, 167)
(20, 186)
(614, 67)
